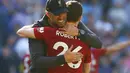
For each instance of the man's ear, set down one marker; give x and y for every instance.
(48, 14)
(80, 18)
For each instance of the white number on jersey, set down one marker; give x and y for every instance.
(65, 48)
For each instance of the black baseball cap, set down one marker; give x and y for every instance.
(56, 6)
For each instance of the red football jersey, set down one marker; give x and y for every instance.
(26, 62)
(58, 43)
(95, 56)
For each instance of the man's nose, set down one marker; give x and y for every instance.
(62, 16)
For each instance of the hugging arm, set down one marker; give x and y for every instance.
(89, 37)
(38, 50)
(39, 58)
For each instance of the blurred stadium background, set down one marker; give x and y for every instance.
(109, 19)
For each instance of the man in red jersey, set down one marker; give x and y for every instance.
(58, 42)
(97, 53)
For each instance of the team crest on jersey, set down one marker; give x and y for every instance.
(41, 29)
(82, 31)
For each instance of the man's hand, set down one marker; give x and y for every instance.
(72, 56)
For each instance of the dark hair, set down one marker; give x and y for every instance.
(75, 11)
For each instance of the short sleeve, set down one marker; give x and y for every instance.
(43, 32)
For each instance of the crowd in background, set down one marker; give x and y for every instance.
(109, 19)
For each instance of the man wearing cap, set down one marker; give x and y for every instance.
(55, 16)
